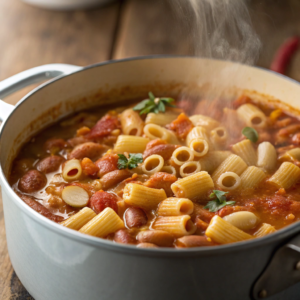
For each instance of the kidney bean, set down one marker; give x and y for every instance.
(165, 151)
(124, 237)
(193, 241)
(146, 245)
(90, 150)
(50, 164)
(107, 163)
(113, 178)
(103, 127)
(100, 200)
(38, 207)
(162, 180)
(154, 143)
(202, 213)
(32, 181)
(55, 145)
(296, 139)
(135, 217)
(157, 237)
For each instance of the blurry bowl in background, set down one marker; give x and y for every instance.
(67, 4)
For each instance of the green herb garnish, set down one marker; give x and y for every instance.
(153, 104)
(251, 134)
(131, 162)
(218, 202)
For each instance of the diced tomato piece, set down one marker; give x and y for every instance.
(182, 126)
(100, 200)
(162, 180)
(89, 168)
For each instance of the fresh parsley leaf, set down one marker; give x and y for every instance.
(251, 134)
(131, 162)
(218, 202)
(134, 160)
(154, 105)
(122, 161)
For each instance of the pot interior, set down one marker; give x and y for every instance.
(114, 82)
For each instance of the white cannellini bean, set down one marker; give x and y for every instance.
(243, 220)
(75, 196)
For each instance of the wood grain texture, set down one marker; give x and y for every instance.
(30, 37)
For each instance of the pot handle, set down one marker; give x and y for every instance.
(25, 78)
(282, 271)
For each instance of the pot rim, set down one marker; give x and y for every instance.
(281, 234)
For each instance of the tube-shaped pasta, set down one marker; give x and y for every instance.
(161, 119)
(153, 164)
(102, 225)
(212, 160)
(251, 177)
(231, 164)
(79, 219)
(229, 181)
(142, 196)
(153, 131)
(292, 154)
(219, 136)
(193, 187)
(252, 115)
(286, 176)
(197, 132)
(178, 226)
(204, 121)
(175, 207)
(189, 168)
(182, 155)
(199, 146)
(222, 232)
(131, 123)
(72, 170)
(264, 230)
(130, 144)
(266, 156)
(246, 151)
(169, 169)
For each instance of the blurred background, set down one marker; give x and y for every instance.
(31, 36)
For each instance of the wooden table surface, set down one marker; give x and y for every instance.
(30, 37)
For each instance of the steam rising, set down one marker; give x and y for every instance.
(220, 29)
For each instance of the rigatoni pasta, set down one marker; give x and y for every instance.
(151, 175)
(252, 176)
(132, 144)
(286, 176)
(79, 219)
(246, 151)
(103, 224)
(177, 226)
(193, 187)
(222, 232)
(252, 115)
(233, 163)
(131, 123)
(142, 196)
(175, 207)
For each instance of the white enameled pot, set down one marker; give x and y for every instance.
(54, 262)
